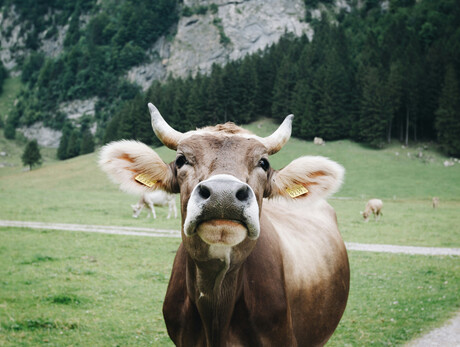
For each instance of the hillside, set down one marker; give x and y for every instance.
(76, 191)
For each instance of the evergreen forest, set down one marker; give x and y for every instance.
(379, 72)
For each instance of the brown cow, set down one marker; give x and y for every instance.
(435, 201)
(249, 271)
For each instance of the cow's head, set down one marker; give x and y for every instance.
(222, 174)
(137, 208)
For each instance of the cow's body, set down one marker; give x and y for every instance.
(156, 198)
(319, 141)
(278, 299)
(373, 206)
(250, 271)
(435, 202)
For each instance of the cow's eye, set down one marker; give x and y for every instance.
(181, 160)
(264, 164)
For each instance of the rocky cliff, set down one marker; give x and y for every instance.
(237, 28)
(225, 30)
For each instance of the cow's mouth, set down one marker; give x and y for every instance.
(222, 232)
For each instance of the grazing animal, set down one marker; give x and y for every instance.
(250, 271)
(435, 202)
(373, 206)
(319, 141)
(155, 198)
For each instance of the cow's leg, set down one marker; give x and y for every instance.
(153, 211)
(150, 209)
(169, 211)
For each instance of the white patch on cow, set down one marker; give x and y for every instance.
(194, 208)
(221, 252)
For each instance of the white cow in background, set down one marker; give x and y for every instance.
(155, 198)
(373, 206)
(319, 141)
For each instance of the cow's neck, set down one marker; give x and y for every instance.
(215, 286)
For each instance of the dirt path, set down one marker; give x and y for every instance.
(446, 336)
(151, 232)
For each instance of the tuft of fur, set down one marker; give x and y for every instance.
(227, 128)
(321, 176)
(124, 160)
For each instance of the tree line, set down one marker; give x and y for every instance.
(94, 60)
(375, 76)
(376, 73)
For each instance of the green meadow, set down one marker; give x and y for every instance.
(70, 288)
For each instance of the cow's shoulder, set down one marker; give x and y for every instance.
(264, 302)
(181, 315)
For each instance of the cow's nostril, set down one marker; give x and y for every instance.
(242, 194)
(204, 192)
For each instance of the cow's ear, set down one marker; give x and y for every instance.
(307, 177)
(136, 167)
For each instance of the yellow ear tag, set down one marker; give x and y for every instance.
(145, 180)
(296, 190)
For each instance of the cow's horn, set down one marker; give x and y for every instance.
(163, 130)
(276, 141)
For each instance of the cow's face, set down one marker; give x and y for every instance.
(222, 179)
(222, 174)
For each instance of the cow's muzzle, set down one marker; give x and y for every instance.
(221, 200)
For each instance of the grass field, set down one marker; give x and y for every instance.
(62, 288)
(67, 288)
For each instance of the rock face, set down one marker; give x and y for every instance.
(11, 42)
(78, 108)
(229, 30)
(45, 136)
(236, 29)
(248, 26)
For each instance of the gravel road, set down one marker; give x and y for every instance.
(446, 336)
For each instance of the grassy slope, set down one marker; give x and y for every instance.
(76, 191)
(107, 290)
(11, 163)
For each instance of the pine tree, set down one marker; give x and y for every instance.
(283, 89)
(448, 114)
(73, 147)
(87, 143)
(31, 155)
(111, 131)
(333, 120)
(231, 80)
(394, 93)
(3, 75)
(64, 142)
(373, 118)
(248, 91)
(215, 100)
(304, 125)
(126, 125)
